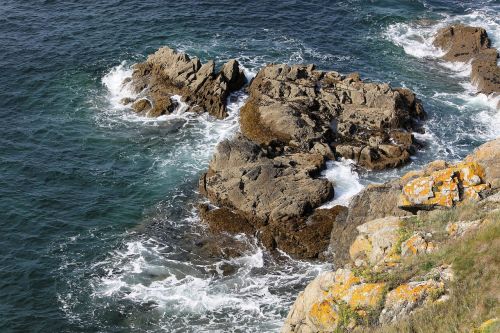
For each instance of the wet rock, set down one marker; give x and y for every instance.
(166, 73)
(463, 44)
(299, 106)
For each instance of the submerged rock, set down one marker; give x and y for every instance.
(167, 73)
(471, 44)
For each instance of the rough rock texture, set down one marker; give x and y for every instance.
(166, 73)
(463, 44)
(445, 187)
(377, 284)
(405, 298)
(376, 242)
(488, 156)
(319, 307)
(295, 119)
(298, 106)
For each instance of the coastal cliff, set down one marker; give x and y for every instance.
(434, 270)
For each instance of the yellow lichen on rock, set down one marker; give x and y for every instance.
(365, 295)
(443, 187)
(324, 314)
(416, 244)
(405, 298)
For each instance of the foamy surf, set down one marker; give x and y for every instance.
(416, 38)
(345, 180)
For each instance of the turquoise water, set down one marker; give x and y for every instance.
(97, 225)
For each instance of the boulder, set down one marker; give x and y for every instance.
(294, 120)
(376, 242)
(488, 156)
(167, 72)
(373, 202)
(446, 187)
(471, 44)
(332, 301)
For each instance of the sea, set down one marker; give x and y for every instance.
(98, 223)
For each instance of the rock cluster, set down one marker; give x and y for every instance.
(471, 44)
(167, 73)
(294, 120)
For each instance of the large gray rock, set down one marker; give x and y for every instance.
(166, 73)
(298, 106)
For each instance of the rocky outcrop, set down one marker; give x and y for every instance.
(380, 282)
(167, 73)
(298, 107)
(294, 120)
(471, 44)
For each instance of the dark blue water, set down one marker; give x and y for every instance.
(97, 226)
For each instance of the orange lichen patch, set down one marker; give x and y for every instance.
(442, 176)
(442, 187)
(414, 291)
(324, 314)
(416, 244)
(365, 295)
(344, 279)
(419, 190)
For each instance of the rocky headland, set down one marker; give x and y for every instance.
(468, 44)
(266, 180)
(399, 268)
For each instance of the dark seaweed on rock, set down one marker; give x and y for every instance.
(265, 180)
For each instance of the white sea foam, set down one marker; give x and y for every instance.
(142, 273)
(416, 39)
(345, 181)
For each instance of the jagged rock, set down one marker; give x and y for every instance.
(374, 202)
(323, 305)
(298, 106)
(463, 44)
(488, 156)
(404, 299)
(166, 73)
(241, 176)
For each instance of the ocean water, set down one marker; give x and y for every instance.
(98, 230)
